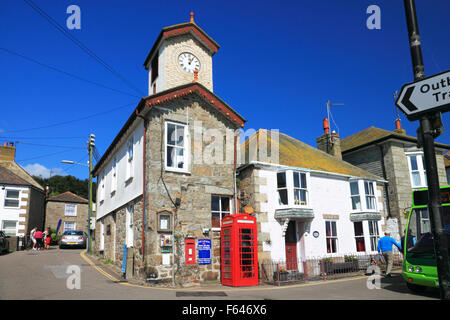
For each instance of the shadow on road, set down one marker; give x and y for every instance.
(397, 284)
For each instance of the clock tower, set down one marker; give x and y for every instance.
(177, 53)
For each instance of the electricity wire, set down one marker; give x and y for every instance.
(55, 24)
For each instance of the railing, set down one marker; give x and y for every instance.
(321, 268)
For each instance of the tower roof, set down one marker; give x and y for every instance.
(180, 29)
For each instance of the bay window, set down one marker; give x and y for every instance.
(282, 188)
(300, 188)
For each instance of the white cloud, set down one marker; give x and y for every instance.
(39, 170)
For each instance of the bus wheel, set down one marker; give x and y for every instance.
(416, 288)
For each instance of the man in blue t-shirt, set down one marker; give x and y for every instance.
(385, 248)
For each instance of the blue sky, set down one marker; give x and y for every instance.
(278, 64)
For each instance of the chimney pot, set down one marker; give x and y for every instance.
(326, 125)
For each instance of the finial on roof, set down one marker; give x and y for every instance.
(192, 17)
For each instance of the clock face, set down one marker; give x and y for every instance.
(188, 62)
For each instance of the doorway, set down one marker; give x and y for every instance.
(291, 246)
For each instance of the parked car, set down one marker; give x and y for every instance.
(4, 244)
(73, 238)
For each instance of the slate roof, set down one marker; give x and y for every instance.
(373, 135)
(68, 197)
(18, 171)
(8, 177)
(295, 153)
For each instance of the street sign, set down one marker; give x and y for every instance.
(428, 95)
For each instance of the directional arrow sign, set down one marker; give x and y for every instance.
(429, 95)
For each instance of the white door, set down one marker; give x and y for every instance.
(129, 226)
(102, 236)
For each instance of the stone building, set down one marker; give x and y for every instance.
(168, 176)
(308, 203)
(22, 199)
(70, 208)
(394, 156)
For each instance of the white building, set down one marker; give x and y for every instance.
(309, 203)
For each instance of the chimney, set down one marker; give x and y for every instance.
(7, 153)
(329, 142)
(398, 127)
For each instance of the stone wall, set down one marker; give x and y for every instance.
(56, 210)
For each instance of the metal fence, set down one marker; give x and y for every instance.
(321, 268)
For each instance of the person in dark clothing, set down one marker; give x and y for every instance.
(411, 240)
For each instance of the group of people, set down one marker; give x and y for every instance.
(41, 240)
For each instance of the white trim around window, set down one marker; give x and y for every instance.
(363, 195)
(292, 188)
(70, 210)
(417, 172)
(176, 147)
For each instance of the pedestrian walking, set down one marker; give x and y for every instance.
(39, 235)
(47, 238)
(385, 248)
(32, 238)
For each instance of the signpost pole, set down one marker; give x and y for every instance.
(427, 133)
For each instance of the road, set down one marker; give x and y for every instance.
(31, 275)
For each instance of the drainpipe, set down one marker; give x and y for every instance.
(236, 203)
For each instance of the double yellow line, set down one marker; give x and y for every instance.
(97, 268)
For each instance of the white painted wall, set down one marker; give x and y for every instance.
(327, 195)
(126, 190)
(12, 214)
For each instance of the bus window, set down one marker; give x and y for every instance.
(420, 230)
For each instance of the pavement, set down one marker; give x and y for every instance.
(47, 275)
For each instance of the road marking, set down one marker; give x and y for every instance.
(221, 289)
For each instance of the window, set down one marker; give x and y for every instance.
(9, 227)
(300, 188)
(331, 236)
(154, 66)
(69, 226)
(114, 176)
(220, 207)
(282, 188)
(370, 195)
(130, 156)
(176, 153)
(12, 198)
(424, 220)
(417, 171)
(374, 235)
(359, 237)
(354, 192)
(70, 210)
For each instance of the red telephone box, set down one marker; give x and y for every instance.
(239, 251)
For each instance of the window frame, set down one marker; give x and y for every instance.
(300, 188)
(332, 237)
(69, 222)
(230, 198)
(15, 229)
(421, 170)
(359, 237)
(358, 195)
(370, 196)
(11, 199)
(185, 147)
(373, 237)
(283, 188)
(65, 210)
(130, 159)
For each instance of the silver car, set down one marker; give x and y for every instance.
(73, 238)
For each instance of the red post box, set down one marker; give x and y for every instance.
(239, 251)
(189, 250)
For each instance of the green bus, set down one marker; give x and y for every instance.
(419, 264)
